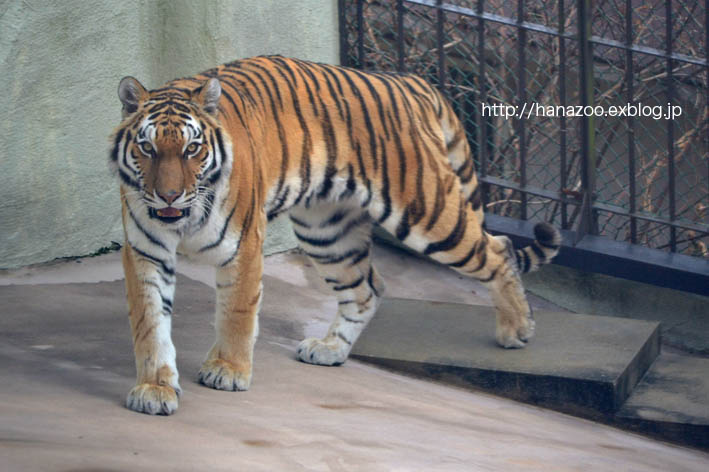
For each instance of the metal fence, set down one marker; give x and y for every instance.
(634, 169)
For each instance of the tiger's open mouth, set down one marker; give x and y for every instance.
(169, 214)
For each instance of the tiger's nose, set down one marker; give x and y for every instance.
(170, 196)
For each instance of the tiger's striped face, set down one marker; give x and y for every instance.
(169, 151)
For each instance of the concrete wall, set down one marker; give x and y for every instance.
(60, 63)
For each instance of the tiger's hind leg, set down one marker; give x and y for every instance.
(337, 240)
(514, 321)
(457, 239)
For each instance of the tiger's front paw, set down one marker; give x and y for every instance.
(153, 399)
(323, 352)
(512, 336)
(224, 375)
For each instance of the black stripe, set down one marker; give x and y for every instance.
(367, 118)
(360, 162)
(476, 198)
(359, 257)
(280, 201)
(306, 66)
(353, 223)
(331, 146)
(466, 171)
(402, 160)
(147, 234)
(553, 247)
(483, 258)
(454, 237)
(370, 281)
(166, 269)
(208, 209)
(129, 136)
(368, 186)
(464, 260)
(377, 99)
(439, 202)
(249, 79)
(335, 218)
(341, 336)
(311, 97)
(307, 146)
(351, 184)
(387, 81)
(538, 251)
(526, 262)
(272, 80)
(299, 222)
(492, 276)
(221, 233)
(403, 228)
(335, 96)
(233, 103)
(244, 230)
(116, 143)
(354, 284)
(325, 259)
(281, 133)
(126, 179)
(385, 184)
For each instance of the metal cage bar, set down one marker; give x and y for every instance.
(670, 126)
(562, 119)
(360, 33)
(482, 86)
(344, 37)
(400, 38)
(440, 20)
(630, 121)
(588, 149)
(522, 102)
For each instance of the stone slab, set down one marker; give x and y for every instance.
(578, 364)
(672, 401)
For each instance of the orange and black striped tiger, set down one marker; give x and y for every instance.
(204, 162)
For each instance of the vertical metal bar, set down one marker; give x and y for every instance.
(344, 40)
(562, 118)
(670, 126)
(522, 97)
(400, 35)
(482, 95)
(440, 19)
(588, 156)
(360, 33)
(630, 121)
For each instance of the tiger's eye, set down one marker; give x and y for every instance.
(146, 147)
(192, 148)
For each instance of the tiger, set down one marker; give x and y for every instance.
(205, 162)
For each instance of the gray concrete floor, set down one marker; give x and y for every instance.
(60, 404)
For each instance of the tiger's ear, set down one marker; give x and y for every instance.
(208, 95)
(131, 93)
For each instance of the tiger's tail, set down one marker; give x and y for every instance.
(547, 241)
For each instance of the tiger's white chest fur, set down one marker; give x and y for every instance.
(208, 245)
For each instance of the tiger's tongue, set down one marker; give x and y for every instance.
(170, 212)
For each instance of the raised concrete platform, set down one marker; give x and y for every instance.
(672, 401)
(578, 364)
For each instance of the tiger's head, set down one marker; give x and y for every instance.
(169, 150)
